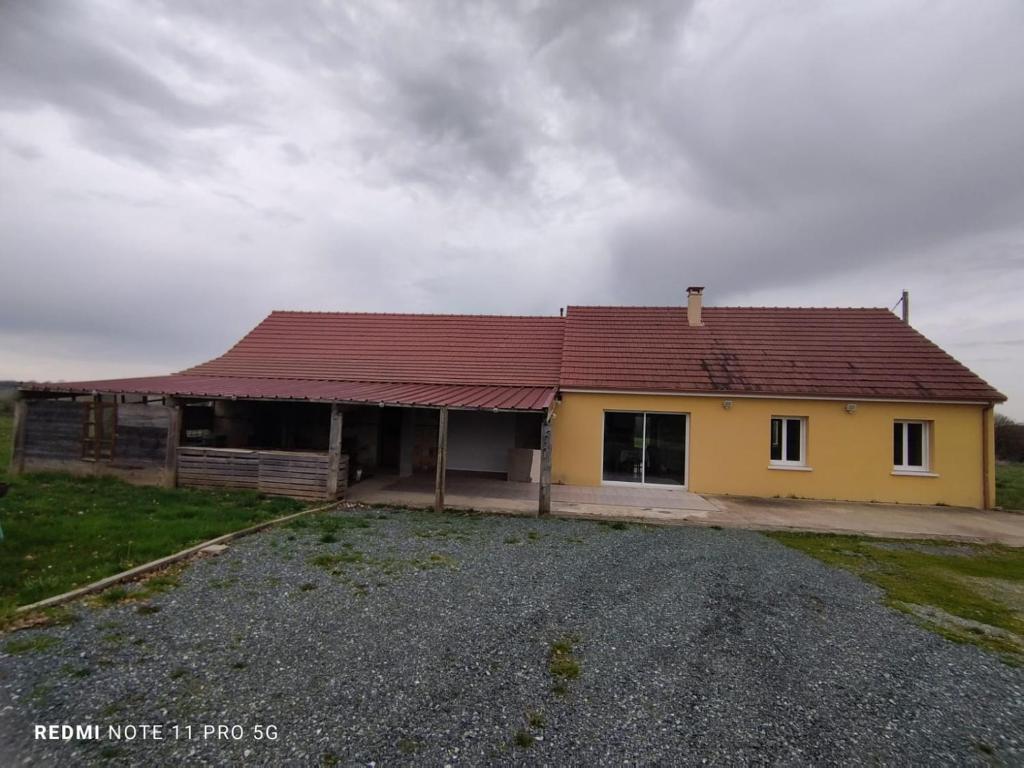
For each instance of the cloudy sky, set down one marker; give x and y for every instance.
(172, 171)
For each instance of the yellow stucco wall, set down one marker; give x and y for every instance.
(850, 455)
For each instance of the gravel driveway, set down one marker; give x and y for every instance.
(407, 638)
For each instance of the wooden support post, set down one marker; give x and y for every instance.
(173, 441)
(442, 459)
(334, 452)
(97, 427)
(544, 505)
(18, 438)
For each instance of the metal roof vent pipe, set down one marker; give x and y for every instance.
(694, 302)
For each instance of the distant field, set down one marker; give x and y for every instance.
(1010, 486)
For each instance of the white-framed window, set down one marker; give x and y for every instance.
(910, 446)
(789, 441)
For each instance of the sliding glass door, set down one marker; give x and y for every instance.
(645, 448)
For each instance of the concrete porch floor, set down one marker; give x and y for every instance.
(492, 495)
(679, 507)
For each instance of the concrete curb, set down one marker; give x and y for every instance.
(139, 570)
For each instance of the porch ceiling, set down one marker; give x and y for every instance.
(467, 396)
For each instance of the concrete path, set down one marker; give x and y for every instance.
(677, 507)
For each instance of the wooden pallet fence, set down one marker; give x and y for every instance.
(281, 473)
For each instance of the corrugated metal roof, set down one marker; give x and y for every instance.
(485, 397)
(841, 353)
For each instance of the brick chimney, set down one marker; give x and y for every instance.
(694, 301)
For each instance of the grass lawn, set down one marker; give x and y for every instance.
(62, 531)
(1010, 486)
(968, 593)
(6, 435)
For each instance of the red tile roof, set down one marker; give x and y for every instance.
(866, 353)
(487, 361)
(422, 349)
(433, 395)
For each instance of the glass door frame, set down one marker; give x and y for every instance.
(643, 459)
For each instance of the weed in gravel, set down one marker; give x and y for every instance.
(112, 596)
(40, 693)
(73, 671)
(328, 538)
(329, 760)
(307, 587)
(616, 525)
(435, 560)
(536, 719)
(223, 583)
(513, 540)
(409, 746)
(329, 525)
(30, 644)
(562, 664)
(146, 609)
(239, 665)
(533, 535)
(330, 561)
(114, 638)
(523, 739)
(441, 533)
(161, 582)
(178, 672)
(984, 748)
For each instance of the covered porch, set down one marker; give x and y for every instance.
(310, 440)
(322, 450)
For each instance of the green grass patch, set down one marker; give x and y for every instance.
(1010, 486)
(562, 662)
(978, 584)
(523, 739)
(62, 532)
(33, 644)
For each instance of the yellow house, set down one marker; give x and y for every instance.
(846, 404)
(849, 404)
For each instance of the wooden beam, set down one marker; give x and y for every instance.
(18, 438)
(442, 459)
(544, 503)
(334, 451)
(173, 441)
